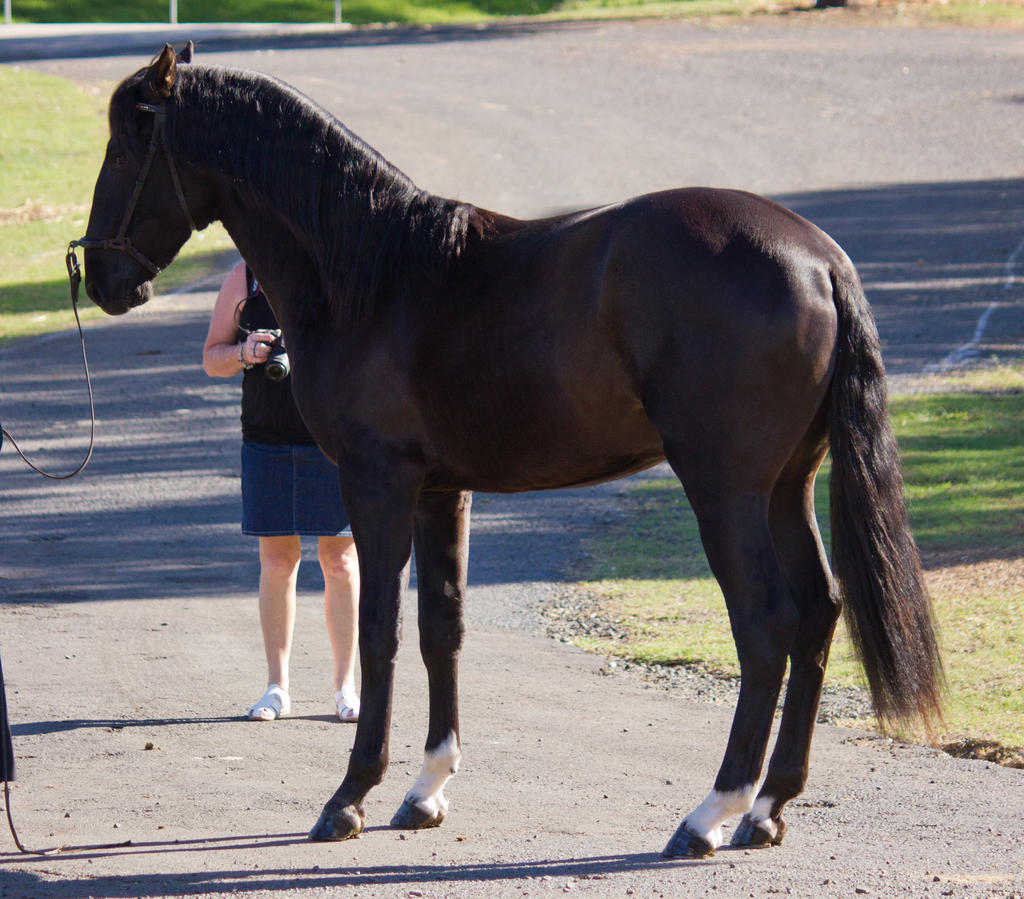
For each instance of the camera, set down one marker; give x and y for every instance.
(277, 367)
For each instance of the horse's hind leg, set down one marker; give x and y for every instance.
(734, 530)
(798, 543)
(441, 536)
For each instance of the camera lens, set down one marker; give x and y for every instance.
(277, 367)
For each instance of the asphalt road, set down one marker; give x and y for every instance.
(126, 617)
(905, 144)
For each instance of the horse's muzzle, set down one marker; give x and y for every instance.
(118, 302)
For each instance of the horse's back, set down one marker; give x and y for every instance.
(661, 263)
(570, 350)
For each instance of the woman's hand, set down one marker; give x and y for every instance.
(256, 348)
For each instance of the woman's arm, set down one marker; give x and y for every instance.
(223, 355)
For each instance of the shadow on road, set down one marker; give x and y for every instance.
(223, 39)
(36, 728)
(327, 878)
(933, 258)
(156, 512)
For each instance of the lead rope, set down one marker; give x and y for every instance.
(14, 833)
(75, 277)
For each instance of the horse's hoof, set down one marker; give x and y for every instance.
(414, 816)
(685, 844)
(338, 823)
(760, 833)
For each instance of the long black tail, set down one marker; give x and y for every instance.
(887, 607)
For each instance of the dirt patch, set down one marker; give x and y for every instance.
(41, 212)
(900, 13)
(578, 613)
(974, 570)
(986, 750)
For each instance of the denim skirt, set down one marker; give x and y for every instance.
(290, 490)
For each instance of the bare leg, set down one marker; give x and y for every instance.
(279, 568)
(340, 565)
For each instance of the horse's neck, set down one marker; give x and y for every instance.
(282, 267)
(377, 233)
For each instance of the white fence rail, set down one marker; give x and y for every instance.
(173, 14)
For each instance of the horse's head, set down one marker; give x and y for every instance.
(140, 209)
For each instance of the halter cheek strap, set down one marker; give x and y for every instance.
(122, 241)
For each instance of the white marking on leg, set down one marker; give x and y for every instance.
(706, 820)
(438, 767)
(760, 817)
(761, 809)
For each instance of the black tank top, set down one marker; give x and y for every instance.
(269, 414)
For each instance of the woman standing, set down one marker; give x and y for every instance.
(289, 490)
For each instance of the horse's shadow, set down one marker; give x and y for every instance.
(40, 728)
(272, 880)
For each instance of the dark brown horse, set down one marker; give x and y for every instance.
(439, 348)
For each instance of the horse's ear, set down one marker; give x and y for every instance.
(162, 72)
(186, 52)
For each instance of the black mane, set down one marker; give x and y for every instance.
(364, 224)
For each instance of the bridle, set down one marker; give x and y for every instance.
(122, 241)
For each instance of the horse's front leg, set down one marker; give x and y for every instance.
(441, 536)
(382, 525)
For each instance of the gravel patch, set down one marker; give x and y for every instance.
(576, 613)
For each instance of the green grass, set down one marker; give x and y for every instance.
(188, 11)
(964, 459)
(964, 473)
(52, 137)
(52, 132)
(357, 12)
(361, 12)
(978, 12)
